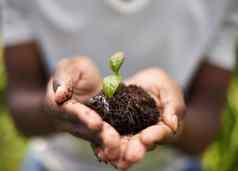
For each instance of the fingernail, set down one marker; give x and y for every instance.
(56, 85)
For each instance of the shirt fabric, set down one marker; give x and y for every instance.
(171, 34)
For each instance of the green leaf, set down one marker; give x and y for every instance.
(111, 84)
(116, 61)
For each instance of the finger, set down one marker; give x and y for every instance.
(154, 134)
(123, 146)
(100, 154)
(85, 115)
(111, 141)
(96, 151)
(173, 105)
(135, 150)
(63, 92)
(168, 94)
(121, 163)
(50, 101)
(79, 75)
(64, 79)
(90, 78)
(170, 118)
(73, 123)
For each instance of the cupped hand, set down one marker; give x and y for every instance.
(170, 103)
(76, 80)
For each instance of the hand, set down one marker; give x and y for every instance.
(74, 82)
(170, 103)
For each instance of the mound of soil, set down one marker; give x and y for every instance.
(130, 110)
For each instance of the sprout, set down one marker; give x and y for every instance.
(110, 85)
(116, 61)
(112, 82)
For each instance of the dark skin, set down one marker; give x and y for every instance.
(205, 100)
(27, 79)
(32, 78)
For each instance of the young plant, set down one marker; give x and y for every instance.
(111, 83)
(128, 108)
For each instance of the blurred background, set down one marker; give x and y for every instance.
(12, 144)
(194, 41)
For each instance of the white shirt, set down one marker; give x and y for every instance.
(171, 34)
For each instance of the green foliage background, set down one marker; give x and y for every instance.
(222, 155)
(12, 145)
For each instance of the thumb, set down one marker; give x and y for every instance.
(63, 91)
(64, 79)
(170, 118)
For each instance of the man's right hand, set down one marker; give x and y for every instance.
(73, 83)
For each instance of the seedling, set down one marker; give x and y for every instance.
(129, 109)
(112, 82)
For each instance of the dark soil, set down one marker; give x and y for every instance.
(129, 111)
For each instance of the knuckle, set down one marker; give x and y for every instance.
(145, 139)
(110, 140)
(95, 124)
(112, 154)
(135, 151)
(133, 157)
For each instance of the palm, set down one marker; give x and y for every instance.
(170, 103)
